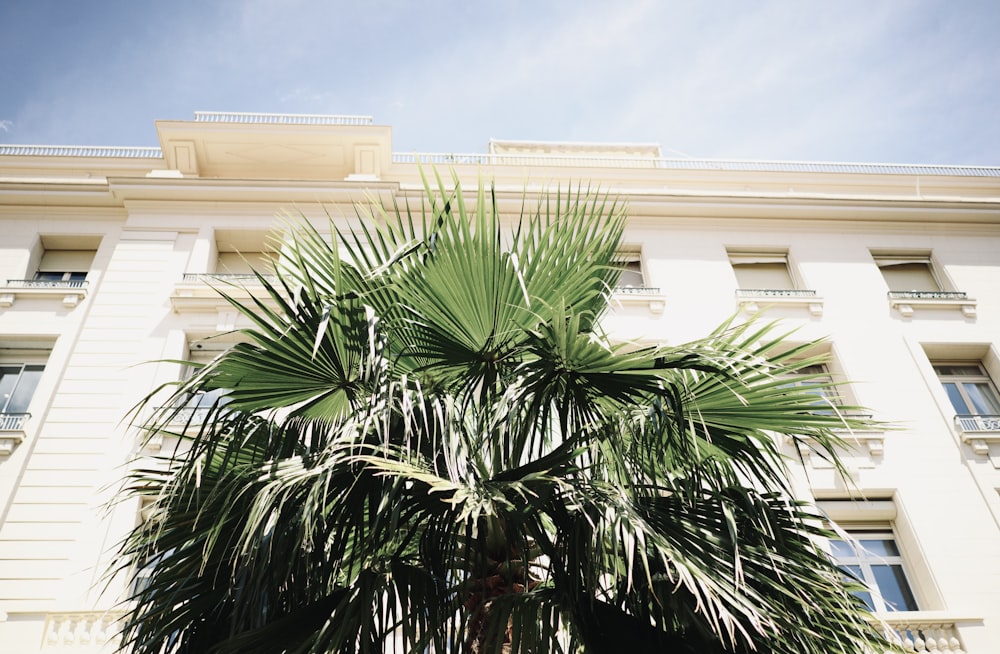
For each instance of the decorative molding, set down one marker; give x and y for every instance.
(72, 292)
(638, 295)
(752, 299)
(81, 631)
(906, 301)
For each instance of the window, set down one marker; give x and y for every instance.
(969, 388)
(872, 557)
(17, 386)
(907, 272)
(630, 263)
(761, 271)
(816, 379)
(66, 260)
(242, 252)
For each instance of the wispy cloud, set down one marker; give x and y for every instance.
(901, 80)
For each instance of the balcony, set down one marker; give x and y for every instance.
(927, 631)
(11, 431)
(906, 301)
(199, 292)
(82, 631)
(71, 290)
(751, 299)
(638, 295)
(979, 432)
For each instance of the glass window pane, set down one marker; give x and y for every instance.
(894, 588)
(957, 401)
(25, 388)
(842, 550)
(880, 546)
(984, 402)
(8, 379)
(631, 274)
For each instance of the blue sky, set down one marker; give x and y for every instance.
(913, 81)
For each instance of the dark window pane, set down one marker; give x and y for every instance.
(842, 550)
(894, 588)
(880, 546)
(957, 401)
(984, 402)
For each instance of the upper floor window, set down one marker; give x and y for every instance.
(630, 263)
(907, 272)
(761, 270)
(766, 276)
(66, 259)
(873, 558)
(20, 373)
(914, 282)
(242, 252)
(816, 379)
(17, 386)
(969, 388)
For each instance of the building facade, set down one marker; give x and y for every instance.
(108, 257)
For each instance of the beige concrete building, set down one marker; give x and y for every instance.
(106, 255)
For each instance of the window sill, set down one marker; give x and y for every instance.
(752, 299)
(72, 292)
(907, 301)
(639, 295)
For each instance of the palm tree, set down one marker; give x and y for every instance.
(427, 443)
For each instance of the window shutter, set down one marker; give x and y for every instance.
(66, 261)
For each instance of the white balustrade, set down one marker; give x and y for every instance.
(930, 636)
(82, 631)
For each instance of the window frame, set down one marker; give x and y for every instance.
(961, 380)
(865, 561)
(745, 260)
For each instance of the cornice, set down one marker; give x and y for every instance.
(281, 191)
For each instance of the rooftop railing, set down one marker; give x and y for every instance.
(279, 119)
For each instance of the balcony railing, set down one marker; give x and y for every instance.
(774, 292)
(977, 423)
(186, 415)
(13, 421)
(46, 283)
(927, 295)
(935, 634)
(637, 290)
(237, 278)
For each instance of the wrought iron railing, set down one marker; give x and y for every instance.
(13, 421)
(774, 292)
(46, 283)
(239, 278)
(637, 290)
(979, 422)
(184, 415)
(928, 295)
